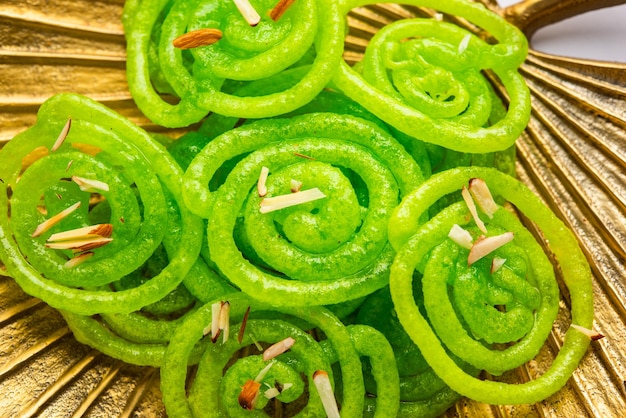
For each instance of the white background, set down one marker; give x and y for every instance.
(600, 34)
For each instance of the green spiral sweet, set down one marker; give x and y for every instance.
(134, 174)
(200, 77)
(424, 77)
(217, 386)
(317, 253)
(461, 300)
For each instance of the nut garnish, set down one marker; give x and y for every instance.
(481, 194)
(322, 383)
(270, 204)
(249, 395)
(260, 185)
(220, 321)
(244, 322)
(278, 348)
(88, 185)
(280, 9)
(93, 231)
(49, 223)
(592, 334)
(485, 245)
(248, 11)
(79, 245)
(461, 236)
(66, 130)
(464, 43)
(472, 208)
(295, 186)
(263, 372)
(197, 38)
(496, 264)
(78, 260)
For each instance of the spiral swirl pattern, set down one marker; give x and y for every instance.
(326, 252)
(202, 78)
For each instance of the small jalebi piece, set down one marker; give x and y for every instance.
(424, 77)
(487, 284)
(52, 247)
(202, 78)
(219, 388)
(308, 251)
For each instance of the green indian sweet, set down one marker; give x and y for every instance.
(424, 77)
(215, 392)
(460, 291)
(327, 251)
(200, 77)
(119, 162)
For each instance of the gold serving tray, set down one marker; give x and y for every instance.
(573, 155)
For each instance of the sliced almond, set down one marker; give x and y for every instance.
(197, 38)
(91, 186)
(281, 7)
(248, 12)
(461, 236)
(261, 183)
(270, 204)
(295, 186)
(242, 328)
(224, 321)
(325, 390)
(49, 223)
(271, 393)
(592, 334)
(249, 395)
(80, 245)
(496, 264)
(482, 195)
(279, 348)
(93, 231)
(464, 43)
(486, 245)
(78, 260)
(64, 132)
(263, 372)
(472, 208)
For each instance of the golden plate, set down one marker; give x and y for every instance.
(573, 154)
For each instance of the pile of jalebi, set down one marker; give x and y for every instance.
(342, 239)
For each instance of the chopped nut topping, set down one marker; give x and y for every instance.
(479, 190)
(260, 186)
(79, 245)
(78, 260)
(248, 11)
(324, 388)
(464, 43)
(244, 322)
(197, 38)
(93, 231)
(88, 185)
(263, 372)
(461, 236)
(497, 263)
(485, 245)
(49, 223)
(295, 186)
(62, 136)
(472, 208)
(278, 348)
(249, 395)
(270, 204)
(592, 334)
(281, 7)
